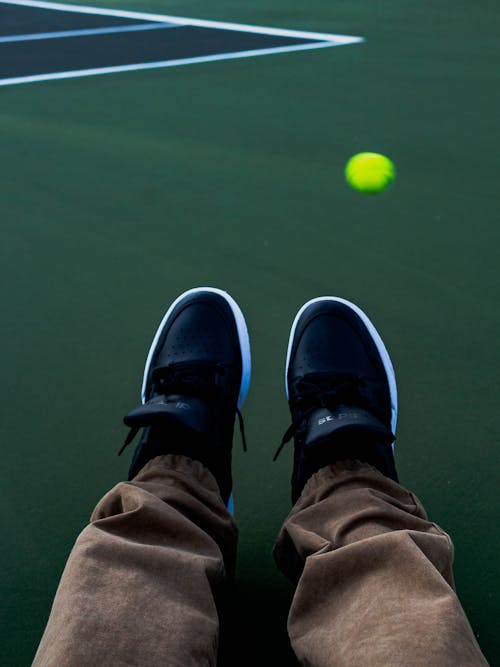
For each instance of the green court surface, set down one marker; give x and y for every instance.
(119, 192)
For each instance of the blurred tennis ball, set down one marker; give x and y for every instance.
(370, 172)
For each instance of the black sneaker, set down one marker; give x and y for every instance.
(341, 389)
(196, 379)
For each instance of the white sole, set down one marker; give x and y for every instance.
(379, 343)
(242, 335)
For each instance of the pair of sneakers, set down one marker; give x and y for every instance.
(339, 383)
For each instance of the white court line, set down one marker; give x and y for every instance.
(164, 63)
(84, 32)
(163, 18)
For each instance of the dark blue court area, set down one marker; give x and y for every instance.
(43, 42)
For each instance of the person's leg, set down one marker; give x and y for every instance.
(374, 576)
(140, 585)
(142, 582)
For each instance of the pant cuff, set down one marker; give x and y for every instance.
(179, 464)
(336, 471)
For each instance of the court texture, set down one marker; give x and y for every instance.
(147, 150)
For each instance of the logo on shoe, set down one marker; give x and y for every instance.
(323, 420)
(182, 406)
(338, 417)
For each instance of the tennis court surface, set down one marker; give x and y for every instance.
(43, 40)
(120, 192)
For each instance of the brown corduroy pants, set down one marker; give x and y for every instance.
(374, 576)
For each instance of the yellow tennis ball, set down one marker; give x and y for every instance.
(370, 172)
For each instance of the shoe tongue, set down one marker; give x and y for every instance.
(188, 411)
(324, 423)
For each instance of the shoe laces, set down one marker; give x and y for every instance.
(200, 379)
(320, 390)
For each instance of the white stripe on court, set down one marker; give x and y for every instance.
(86, 31)
(163, 18)
(164, 63)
